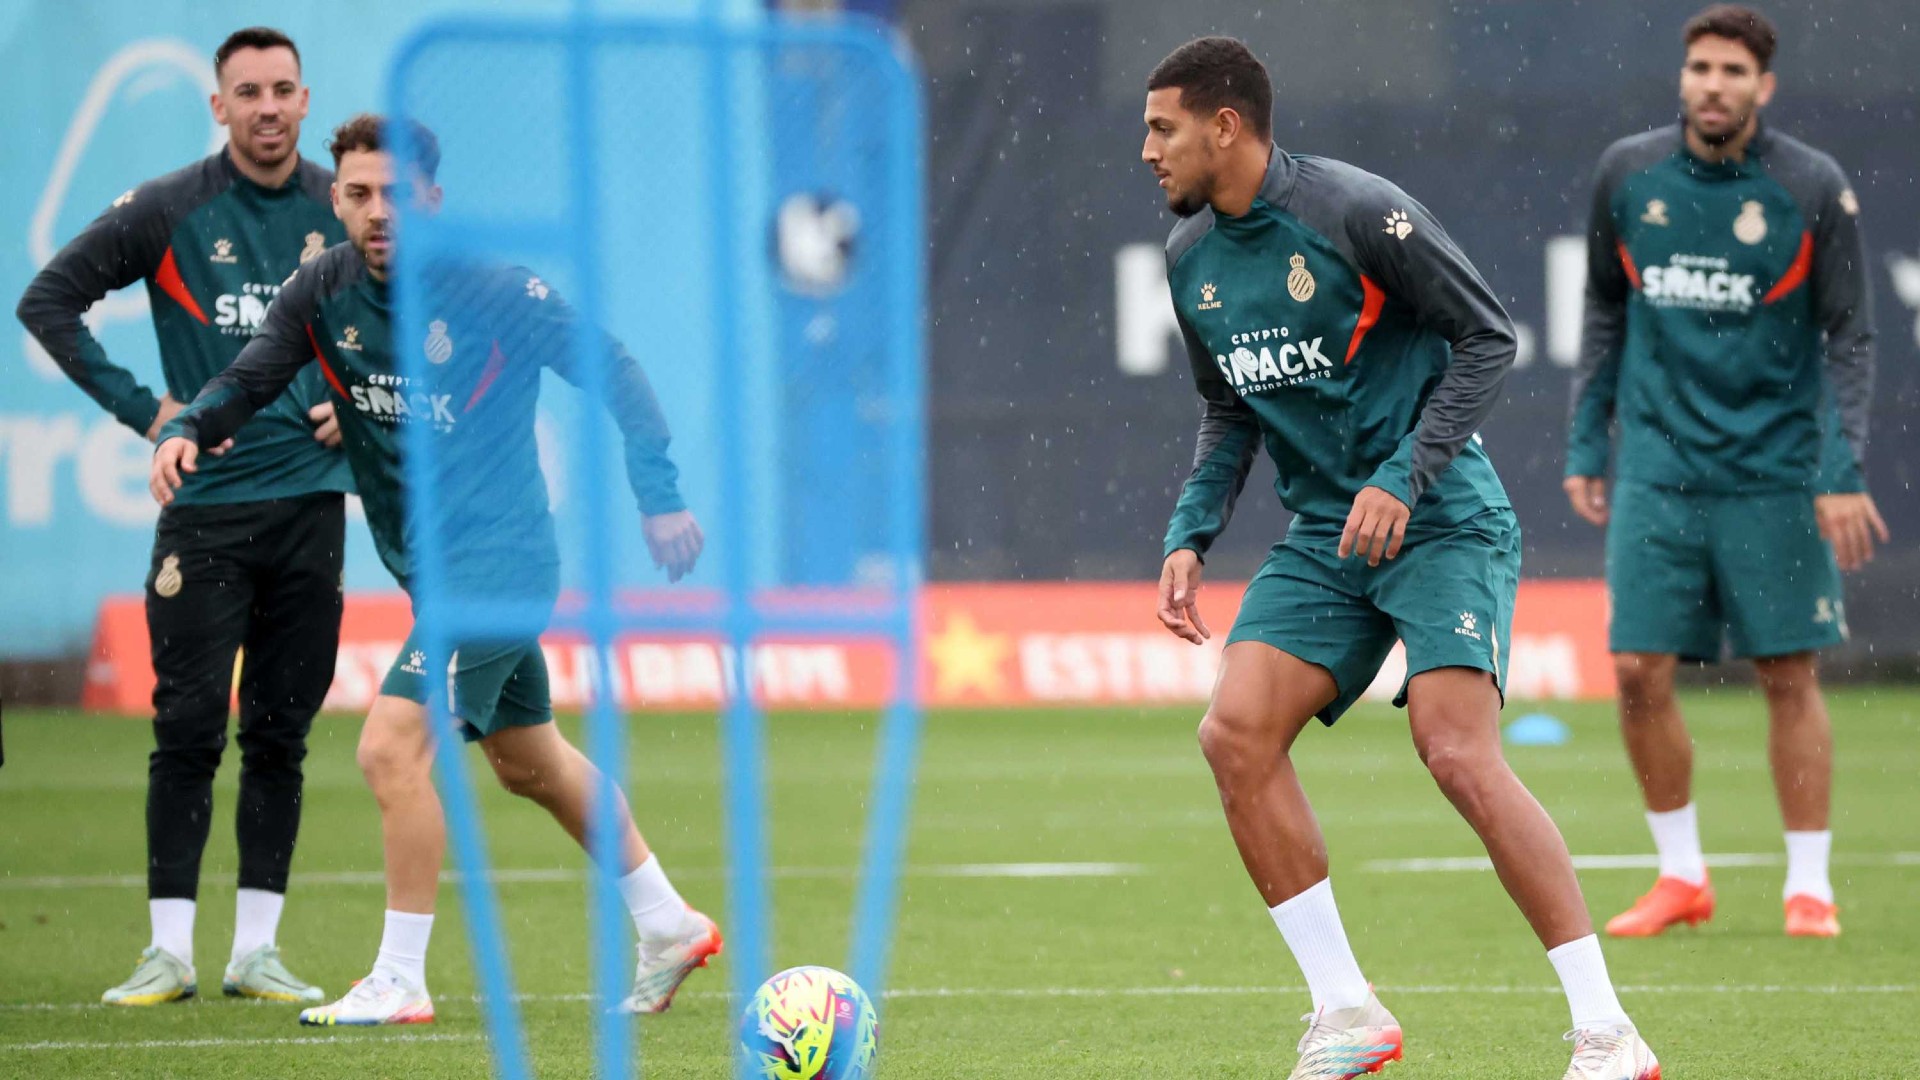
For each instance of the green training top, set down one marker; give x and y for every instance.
(491, 331)
(214, 248)
(1724, 302)
(1337, 323)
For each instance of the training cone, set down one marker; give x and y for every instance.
(1538, 729)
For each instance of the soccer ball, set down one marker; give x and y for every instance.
(809, 1023)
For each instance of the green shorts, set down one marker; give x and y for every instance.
(1688, 572)
(494, 685)
(1448, 594)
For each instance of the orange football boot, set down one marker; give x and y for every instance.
(1671, 901)
(1810, 916)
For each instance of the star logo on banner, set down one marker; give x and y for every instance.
(966, 658)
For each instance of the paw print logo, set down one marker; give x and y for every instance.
(416, 661)
(1206, 293)
(537, 288)
(1468, 621)
(1398, 226)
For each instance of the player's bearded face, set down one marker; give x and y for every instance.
(261, 104)
(1180, 153)
(369, 202)
(1722, 89)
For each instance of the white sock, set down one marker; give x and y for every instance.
(1807, 854)
(1676, 835)
(256, 920)
(1583, 974)
(173, 927)
(403, 947)
(657, 910)
(1311, 924)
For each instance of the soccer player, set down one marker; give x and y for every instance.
(494, 330)
(1726, 290)
(248, 556)
(1327, 315)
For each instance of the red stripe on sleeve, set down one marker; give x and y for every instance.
(1796, 274)
(332, 379)
(1376, 298)
(496, 361)
(170, 282)
(1626, 263)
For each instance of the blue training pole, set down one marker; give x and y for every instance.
(461, 806)
(611, 960)
(895, 764)
(742, 727)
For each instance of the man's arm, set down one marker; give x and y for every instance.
(548, 326)
(1422, 267)
(1843, 302)
(263, 369)
(122, 246)
(1223, 454)
(1596, 379)
(1603, 330)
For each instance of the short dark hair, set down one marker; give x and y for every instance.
(1736, 23)
(253, 37)
(1214, 73)
(368, 131)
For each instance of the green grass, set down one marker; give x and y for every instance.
(1178, 970)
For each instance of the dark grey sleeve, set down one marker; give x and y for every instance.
(122, 246)
(540, 323)
(1843, 302)
(1414, 260)
(1603, 330)
(1223, 454)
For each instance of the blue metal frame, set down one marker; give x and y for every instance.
(574, 238)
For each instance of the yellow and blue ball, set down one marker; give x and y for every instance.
(809, 1023)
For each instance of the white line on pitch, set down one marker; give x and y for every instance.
(1627, 862)
(1147, 991)
(189, 1044)
(563, 874)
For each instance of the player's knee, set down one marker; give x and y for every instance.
(1230, 740)
(188, 751)
(1461, 770)
(191, 724)
(519, 779)
(278, 761)
(1645, 681)
(1789, 679)
(272, 751)
(386, 759)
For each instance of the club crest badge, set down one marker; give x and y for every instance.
(167, 583)
(439, 345)
(1299, 280)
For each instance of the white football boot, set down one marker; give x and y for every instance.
(379, 998)
(1346, 1043)
(260, 974)
(1611, 1053)
(158, 978)
(664, 965)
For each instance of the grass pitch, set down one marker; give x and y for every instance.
(1161, 963)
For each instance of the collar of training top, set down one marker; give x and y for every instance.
(1757, 147)
(1282, 171)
